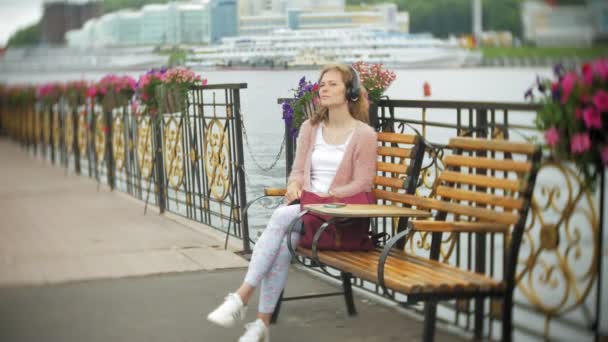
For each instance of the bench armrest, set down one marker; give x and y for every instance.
(275, 192)
(459, 227)
(367, 210)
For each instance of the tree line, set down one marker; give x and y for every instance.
(454, 17)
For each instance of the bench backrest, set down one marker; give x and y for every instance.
(398, 167)
(399, 162)
(484, 180)
(495, 180)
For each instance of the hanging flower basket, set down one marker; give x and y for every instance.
(173, 99)
(113, 100)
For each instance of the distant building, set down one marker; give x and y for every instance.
(61, 16)
(172, 23)
(268, 7)
(382, 17)
(224, 19)
(546, 25)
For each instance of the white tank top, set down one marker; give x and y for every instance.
(325, 160)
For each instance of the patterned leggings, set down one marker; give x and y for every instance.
(270, 259)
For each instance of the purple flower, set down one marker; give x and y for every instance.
(293, 132)
(600, 100)
(529, 94)
(580, 143)
(558, 70)
(302, 81)
(556, 92)
(592, 118)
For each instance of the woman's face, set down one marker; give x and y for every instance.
(332, 90)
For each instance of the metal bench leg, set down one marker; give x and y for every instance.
(507, 318)
(430, 315)
(348, 293)
(277, 308)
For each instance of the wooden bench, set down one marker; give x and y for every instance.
(486, 188)
(399, 163)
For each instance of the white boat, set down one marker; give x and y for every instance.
(297, 48)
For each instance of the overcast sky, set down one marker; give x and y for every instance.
(16, 14)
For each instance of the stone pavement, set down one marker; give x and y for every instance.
(78, 264)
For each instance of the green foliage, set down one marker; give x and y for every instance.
(445, 17)
(585, 53)
(29, 35)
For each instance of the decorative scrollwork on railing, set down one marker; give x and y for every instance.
(46, 126)
(69, 131)
(83, 132)
(174, 152)
(118, 141)
(216, 152)
(37, 127)
(559, 252)
(100, 137)
(144, 146)
(56, 129)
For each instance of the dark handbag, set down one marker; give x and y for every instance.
(348, 235)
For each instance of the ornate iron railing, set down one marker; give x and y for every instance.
(559, 263)
(188, 162)
(191, 163)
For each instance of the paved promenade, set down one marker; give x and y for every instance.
(78, 264)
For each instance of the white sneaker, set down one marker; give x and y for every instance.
(257, 331)
(231, 310)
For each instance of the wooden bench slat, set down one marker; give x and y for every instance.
(487, 163)
(473, 227)
(406, 283)
(396, 183)
(394, 152)
(492, 145)
(390, 167)
(506, 202)
(483, 181)
(407, 273)
(430, 203)
(398, 138)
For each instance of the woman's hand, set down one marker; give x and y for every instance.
(294, 191)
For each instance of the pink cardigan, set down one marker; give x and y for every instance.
(355, 173)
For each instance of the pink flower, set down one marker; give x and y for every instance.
(600, 68)
(592, 118)
(604, 154)
(552, 136)
(600, 100)
(568, 84)
(91, 91)
(580, 143)
(587, 74)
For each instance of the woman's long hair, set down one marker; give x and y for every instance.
(358, 109)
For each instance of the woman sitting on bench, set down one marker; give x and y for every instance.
(335, 156)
